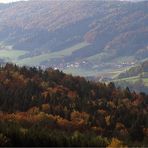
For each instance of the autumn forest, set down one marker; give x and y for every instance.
(50, 108)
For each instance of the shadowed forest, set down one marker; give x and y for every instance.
(50, 108)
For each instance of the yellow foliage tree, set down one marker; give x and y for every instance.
(45, 108)
(79, 116)
(115, 143)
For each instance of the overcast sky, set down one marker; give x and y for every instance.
(8, 1)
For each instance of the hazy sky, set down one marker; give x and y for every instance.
(8, 1)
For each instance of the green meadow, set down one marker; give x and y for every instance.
(11, 54)
(133, 80)
(36, 60)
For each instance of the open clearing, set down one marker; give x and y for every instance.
(11, 54)
(133, 80)
(36, 60)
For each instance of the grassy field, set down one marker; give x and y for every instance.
(99, 57)
(8, 53)
(11, 54)
(36, 60)
(133, 80)
(146, 81)
(80, 72)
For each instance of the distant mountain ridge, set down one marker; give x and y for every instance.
(79, 37)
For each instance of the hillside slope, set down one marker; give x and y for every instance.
(136, 78)
(40, 32)
(50, 108)
(140, 69)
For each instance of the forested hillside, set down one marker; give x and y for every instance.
(80, 37)
(50, 108)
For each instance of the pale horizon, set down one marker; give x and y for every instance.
(10, 1)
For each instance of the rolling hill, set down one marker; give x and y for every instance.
(78, 37)
(136, 78)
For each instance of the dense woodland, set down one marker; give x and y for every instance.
(49, 108)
